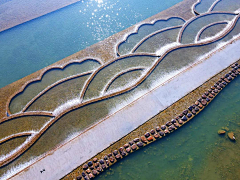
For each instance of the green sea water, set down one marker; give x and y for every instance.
(195, 151)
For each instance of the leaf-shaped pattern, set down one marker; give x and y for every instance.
(102, 78)
(182, 57)
(10, 145)
(148, 44)
(203, 6)
(59, 94)
(132, 40)
(22, 124)
(124, 78)
(50, 77)
(227, 5)
(211, 30)
(190, 31)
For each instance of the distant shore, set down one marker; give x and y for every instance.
(17, 12)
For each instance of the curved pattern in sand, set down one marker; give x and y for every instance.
(137, 29)
(153, 34)
(197, 17)
(120, 74)
(206, 27)
(31, 113)
(213, 5)
(22, 134)
(41, 76)
(52, 86)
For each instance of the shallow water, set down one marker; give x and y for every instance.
(195, 151)
(147, 29)
(190, 32)
(50, 77)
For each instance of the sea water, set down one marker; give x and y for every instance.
(195, 151)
